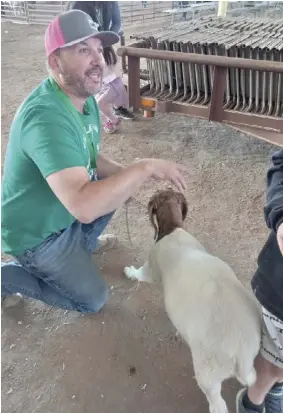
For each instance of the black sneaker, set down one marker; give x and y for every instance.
(124, 113)
(11, 301)
(240, 408)
(274, 399)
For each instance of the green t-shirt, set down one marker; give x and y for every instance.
(45, 137)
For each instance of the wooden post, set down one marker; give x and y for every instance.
(217, 97)
(134, 81)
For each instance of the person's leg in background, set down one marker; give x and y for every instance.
(266, 395)
(121, 104)
(105, 100)
(269, 364)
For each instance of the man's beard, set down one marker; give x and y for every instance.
(82, 87)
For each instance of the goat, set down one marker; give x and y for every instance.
(212, 311)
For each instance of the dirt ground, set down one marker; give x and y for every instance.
(127, 358)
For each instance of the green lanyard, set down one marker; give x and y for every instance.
(65, 99)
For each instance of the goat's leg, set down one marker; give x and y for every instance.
(139, 274)
(209, 377)
(212, 392)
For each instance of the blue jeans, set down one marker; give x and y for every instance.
(60, 271)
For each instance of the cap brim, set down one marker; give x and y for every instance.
(107, 39)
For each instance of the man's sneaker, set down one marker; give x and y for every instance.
(11, 301)
(239, 404)
(274, 399)
(111, 127)
(124, 113)
(105, 243)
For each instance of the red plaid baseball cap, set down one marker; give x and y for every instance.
(73, 27)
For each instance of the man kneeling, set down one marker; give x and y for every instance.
(58, 191)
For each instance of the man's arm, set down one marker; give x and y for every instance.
(49, 140)
(274, 206)
(87, 200)
(106, 167)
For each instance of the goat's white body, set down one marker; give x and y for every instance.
(218, 318)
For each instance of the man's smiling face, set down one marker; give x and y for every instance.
(81, 67)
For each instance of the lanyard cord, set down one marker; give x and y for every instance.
(65, 99)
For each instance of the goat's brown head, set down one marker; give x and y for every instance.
(167, 210)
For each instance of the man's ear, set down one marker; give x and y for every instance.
(54, 62)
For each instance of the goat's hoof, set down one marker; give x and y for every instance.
(130, 272)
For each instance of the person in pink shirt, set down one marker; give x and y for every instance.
(113, 100)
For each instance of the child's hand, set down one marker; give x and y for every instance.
(280, 237)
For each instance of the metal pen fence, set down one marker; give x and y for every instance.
(139, 13)
(42, 12)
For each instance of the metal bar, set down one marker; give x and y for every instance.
(198, 79)
(271, 91)
(250, 120)
(237, 83)
(192, 77)
(169, 67)
(251, 87)
(205, 75)
(155, 64)
(253, 120)
(279, 91)
(221, 61)
(199, 111)
(185, 72)
(140, 43)
(162, 73)
(264, 91)
(275, 138)
(178, 73)
(134, 81)
(217, 98)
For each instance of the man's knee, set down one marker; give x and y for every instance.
(93, 300)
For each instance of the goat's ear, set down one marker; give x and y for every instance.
(184, 204)
(152, 216)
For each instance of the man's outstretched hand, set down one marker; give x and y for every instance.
(167, 171)
(280, 237)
